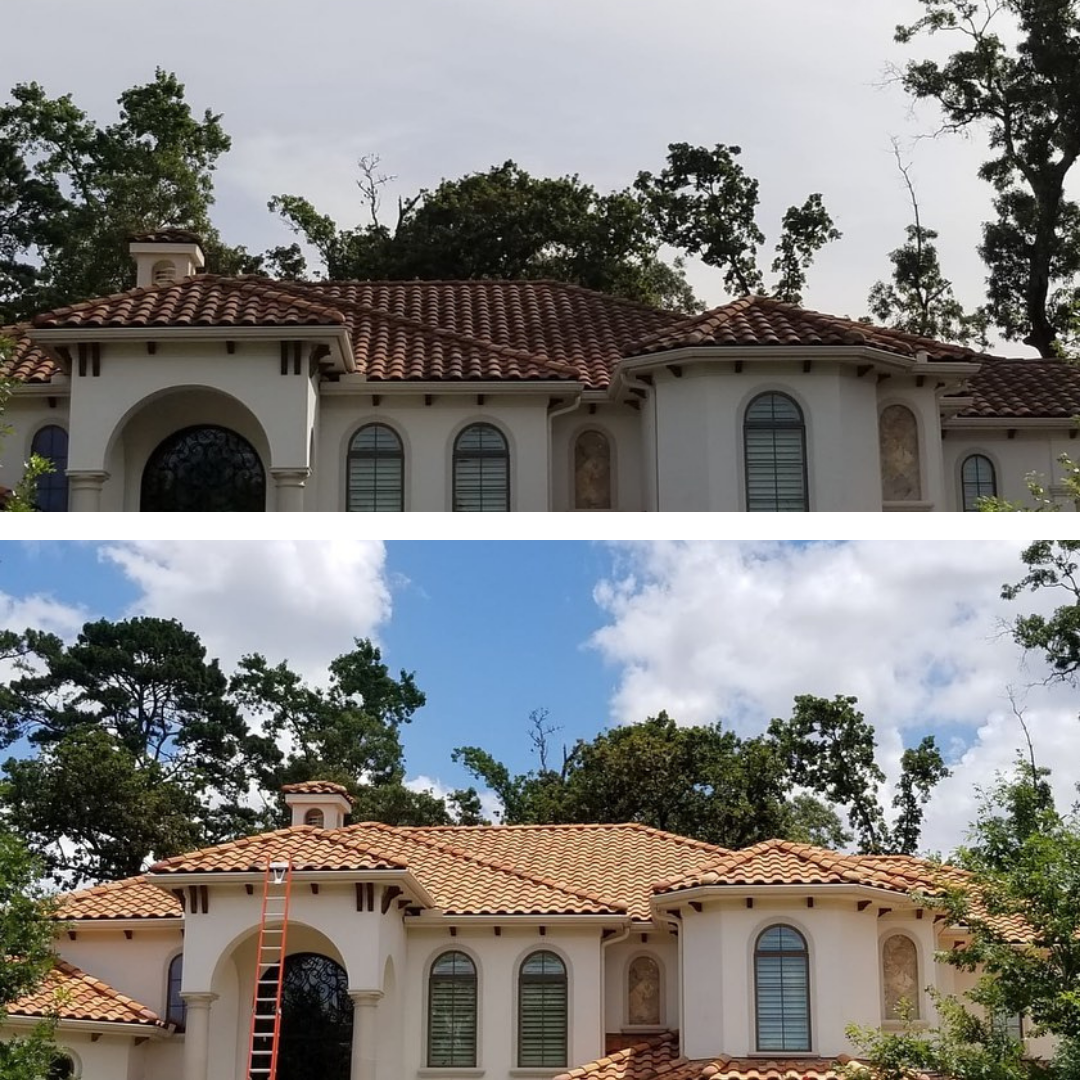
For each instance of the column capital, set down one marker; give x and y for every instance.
(198, 999)
(87, 477)
(365, 998)
(288, 477)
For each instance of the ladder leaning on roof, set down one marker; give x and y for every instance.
(265, 1033)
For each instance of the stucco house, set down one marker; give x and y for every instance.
(200, 392)
(591, 952)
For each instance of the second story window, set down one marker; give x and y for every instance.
(376, 471)
(176, 1007)
(52, 489)
(452, 1012)
(481, 469)
(774, 443)
(643, 992)
(782, 991)
(978, 478)
(542, 1012)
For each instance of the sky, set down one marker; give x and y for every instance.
(609, 632)
(597, 88)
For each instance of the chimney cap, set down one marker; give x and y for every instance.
(167, 236)
(317, 787)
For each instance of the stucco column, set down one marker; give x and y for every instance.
(289, 489)
(84, 490)
(197, 1034)
(364, 1037)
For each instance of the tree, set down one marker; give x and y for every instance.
(1027, 99)
(699, 781)
(501, 224)
(71, 191)
(704, 203)
(26, 936)
(920, 299)
(830, 749)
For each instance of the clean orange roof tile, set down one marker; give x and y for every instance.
(131, 898)
(72, 994)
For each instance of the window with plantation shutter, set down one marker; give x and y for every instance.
(481, 469)
(979, 480)
(782, 989)
(542, 1012)
(452, 1012)
(376, 471)
(774, 441)
(51, 492)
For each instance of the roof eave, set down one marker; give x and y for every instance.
(1005, 422)
(400, 387)
(119, 922)
(758, 891)
(134, 1029)
(440, 918)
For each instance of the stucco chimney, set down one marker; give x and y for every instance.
(317, 802)
(166, 255)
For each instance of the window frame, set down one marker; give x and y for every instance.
(456, 456)
(804, 953)
(475, 980)
(57, 478)
(522, 981)
(971, 456)
(749, 425)
(352, 454)
(181, 1024)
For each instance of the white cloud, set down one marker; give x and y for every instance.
(714, 630)
(290, 600)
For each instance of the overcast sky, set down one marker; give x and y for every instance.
(599, 88)
(603, 634)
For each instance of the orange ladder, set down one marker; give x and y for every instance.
(265, 1030)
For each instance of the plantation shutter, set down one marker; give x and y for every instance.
(376, 473)
(542, 1012)
(481, 470)
(452, 1012)
(783, 991)
(774, 438)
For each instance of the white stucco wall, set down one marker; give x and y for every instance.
(663, 948)
(623, 427)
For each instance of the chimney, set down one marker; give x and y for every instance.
(317, 802)
(166, 255)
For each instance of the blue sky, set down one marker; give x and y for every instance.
(600, 633)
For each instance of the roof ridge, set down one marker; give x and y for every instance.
(239, 842)
(502, 867)
(272, 286)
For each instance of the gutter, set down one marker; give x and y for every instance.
(133, 1030)
(575, 404)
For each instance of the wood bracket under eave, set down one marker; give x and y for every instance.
(389, 895)
(1011, 433)
(151, 348)
(738, 367)
(696, 905)
(646, 379)
(365, 896)
(637, 392)
(592, 412)
(883, 911)
(920, 380)
(882, 376)
(1072, 433)
(428, 399)
(129, 934)
(376, 400)
(479, 399)
(806, 366)
(675, 370)
(635, 405)
(230, 347)
(864, 369)
(863, 904)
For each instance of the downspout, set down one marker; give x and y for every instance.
(676, 925)
(574, 404)
(631, 382)
(604, 945)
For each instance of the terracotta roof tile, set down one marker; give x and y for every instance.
(1025, 388)
(131, 898)
(784, 862)
(167, 236)
(27, 362)
(71, 994)
(316, 787)
(760, 320)
(641, 1061)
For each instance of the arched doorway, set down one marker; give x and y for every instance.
(316, 1018)
(207, 468)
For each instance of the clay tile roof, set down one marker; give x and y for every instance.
(71, 994)
(27, 362)
(760, 320)
(316, 787)
(784, 862)
(207, 300)
(167, 236)
(305, 846)
(641, 1061)
(1025, 388)
(616, 862)
(131, 898)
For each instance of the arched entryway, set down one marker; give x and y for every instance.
(316, 1018)
(207, 468)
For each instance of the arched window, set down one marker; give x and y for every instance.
(62, 1067)
(592, 471)
(376, 471)
(774, 439)
(979, 479)
(52, 488)
(481, 469)
(900, 978)
(643, 992)
(898, 434)
(314, 817)
(175, 1005)
(201, 469)
(542, 1012)
(782, 988)
(316, 1019)
(452, 1012)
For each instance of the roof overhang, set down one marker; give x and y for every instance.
(337, 338)
(132, 1029)
(441, 919)
(1005, 423)
(76, 923)
(360, 384)
(702, 893)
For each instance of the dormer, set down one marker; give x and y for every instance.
(165, 256)
(317, 802)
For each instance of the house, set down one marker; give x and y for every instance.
(591, 952)
(200, 392)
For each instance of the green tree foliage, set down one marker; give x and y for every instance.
(1027, 100)
(704, 203)
(72, 191)
(699, 781)
(26, 956)
(830, 749)
(502, 224)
